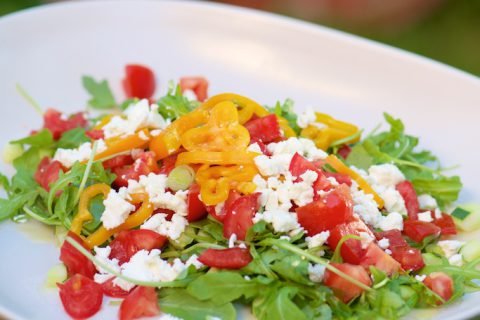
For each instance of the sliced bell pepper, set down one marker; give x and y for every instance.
(340, 167)
(83, 215)
(134, 220)
(213, 157)
(119, 144)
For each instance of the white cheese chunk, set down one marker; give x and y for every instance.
(427, 202)
(117, 209)
(171, 229)
(67, 157)
(317, 240)
(316, 272)
(384, 243)
(450, 247)
(392, 221)
(425, 216)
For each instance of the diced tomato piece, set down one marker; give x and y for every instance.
(141, 302)
(299, 165)
(410, 198)
(441, 284)
(53, 121)
(168, 164)
(81, 297)
(112, 290)
(127, 243)
(394, 237)
(74, 260)
(410, 258)
(232, 197)
(446, 224)
(239, 216)
(340, 177)
(265, 129)
(144, 164)
(139, 82)
(231, 258)
(47, 172)
(324, 214)
(374, 256)
(196, 208)
(95, 134)
(419, 230)
(344, 151)
(118, 161)
(342, 288)
(351, 251)
(199, 85)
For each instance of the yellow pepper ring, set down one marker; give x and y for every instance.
(340, 167)
(84, 214)
(134, 220)
(222, 132)
(220, 158)
(118, 145)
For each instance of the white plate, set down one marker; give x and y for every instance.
(264, 56)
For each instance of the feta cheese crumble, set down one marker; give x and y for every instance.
(67, 157)
(392, 221)
(317, 240)
(427, 202)
(282, 221)
(420, 278)
(172, 229)
(117, 209)
(425, 216)
(450, 247)
(384, 243)
(316, 272)
(137, 116)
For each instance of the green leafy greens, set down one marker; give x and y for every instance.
(101, 95)
(397, 147)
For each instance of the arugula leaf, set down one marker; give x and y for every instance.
(42, 139)
(222, 287)
(11, 206)
(286, 111)
(4, 183)
(276, 303)
(394, 146)
(174, 105)
(292, 268)
(29, 160)
(101, 95)
(72, 139)
(179, 303)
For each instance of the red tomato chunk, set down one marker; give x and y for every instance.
(74, 260)
(139, 82)
(409, 195)
(419, 230)
(374, 256)
(231, 258)
(351, 251)
(81, 297)
(325, 214)
(127, 243)
(196, 208)
(342, 288)
(57, 124)
(265, 129)
(239, 216)
(141, 302)
(441, 284)
(47, 172)
(199, 85)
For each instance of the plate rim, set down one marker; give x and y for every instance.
(295, 24)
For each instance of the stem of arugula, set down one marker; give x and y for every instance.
(292, 248)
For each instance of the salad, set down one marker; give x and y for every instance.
(185, 206)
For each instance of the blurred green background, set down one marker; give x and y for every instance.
(445, 30)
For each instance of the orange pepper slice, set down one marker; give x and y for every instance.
(83, 215)
(340, 167)
(134, 220)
